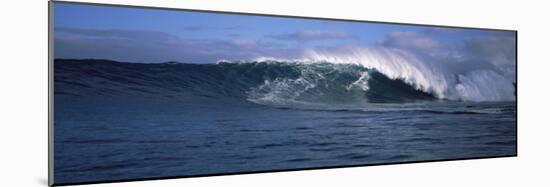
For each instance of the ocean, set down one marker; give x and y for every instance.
(118, 121)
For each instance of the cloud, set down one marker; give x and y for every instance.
(410, 40)
(492, 51)
(114, 34)
(194, 28)
(153, 46)
(423, 44)
(498, 50)
(203, 28)
(310, 35)
(442, 30)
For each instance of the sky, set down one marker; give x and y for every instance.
(154, 35)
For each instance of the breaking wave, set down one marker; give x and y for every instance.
(440, 79)
(321, 80)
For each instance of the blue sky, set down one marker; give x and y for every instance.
(153, 35)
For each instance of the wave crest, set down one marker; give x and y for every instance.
(430, 76)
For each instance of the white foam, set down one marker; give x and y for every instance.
(432, 77)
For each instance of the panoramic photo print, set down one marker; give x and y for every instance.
(142, 93)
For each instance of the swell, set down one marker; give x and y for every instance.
(262, 82)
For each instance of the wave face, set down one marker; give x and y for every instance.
(327, 83)
(261, 82)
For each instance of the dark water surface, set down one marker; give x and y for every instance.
(124, 139)
(115, 121)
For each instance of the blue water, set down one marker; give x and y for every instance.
(116, 122)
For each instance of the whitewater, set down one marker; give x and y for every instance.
(477, 83)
